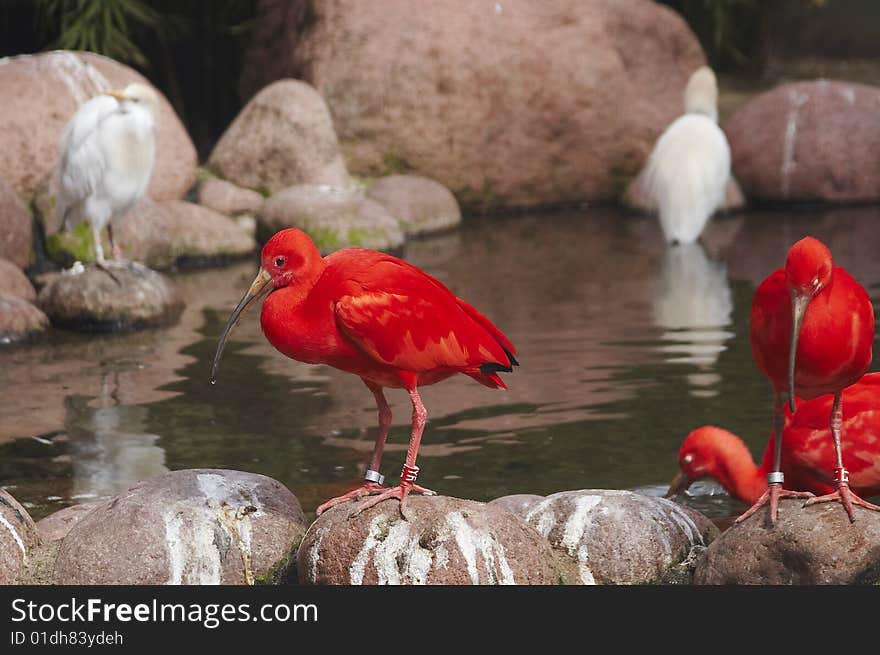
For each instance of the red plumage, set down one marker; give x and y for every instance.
(835, 345)
(828, 317)
(379, 317)
(808, 456)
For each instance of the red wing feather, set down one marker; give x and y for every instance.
(406, 319)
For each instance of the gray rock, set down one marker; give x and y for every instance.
(808, 545)
(195, 526)
(13, 281)
(56, 526)
(227, 198)
(283, 136)
(334, 217)
(519, 504)
(19, 319)
(18, 535)
(160, 235)
(89, 299)
(16, 231)
(420, 204)
(446, 541)
(605, 536)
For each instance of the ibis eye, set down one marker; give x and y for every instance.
(687, 459)
(279, 262)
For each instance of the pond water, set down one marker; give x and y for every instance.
(624, 345)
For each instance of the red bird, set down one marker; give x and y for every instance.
(807, 453)
(376, 316)
(812, 329)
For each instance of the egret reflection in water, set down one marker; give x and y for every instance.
(692, 303)
(109, 449)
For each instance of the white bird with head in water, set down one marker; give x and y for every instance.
(687, 172)
(107, 153)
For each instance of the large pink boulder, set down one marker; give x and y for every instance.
(16, 233)
(817, 140)
(40, 94)
(514, 103)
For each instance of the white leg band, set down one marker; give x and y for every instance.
(374, 476)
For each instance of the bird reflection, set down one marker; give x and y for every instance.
(110, 450)
(692, 303)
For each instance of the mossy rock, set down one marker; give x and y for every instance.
(334, 217)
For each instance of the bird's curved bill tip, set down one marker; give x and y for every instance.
(261, 285)
(680, 483)
(115, 94)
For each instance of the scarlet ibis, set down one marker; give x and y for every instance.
(688, 169)
(812, 329)
(379, 317)
(808, 455)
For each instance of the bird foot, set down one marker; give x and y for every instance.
(846, 497)
(399, 492)
(365, 489)
(772, 496)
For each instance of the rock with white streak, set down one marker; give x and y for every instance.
(606, 536)
(18, 535)
(194, 526)
(443, 541)
(811, 140)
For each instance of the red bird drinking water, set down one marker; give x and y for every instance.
(376, 316)
(808, 457)
(812, 330)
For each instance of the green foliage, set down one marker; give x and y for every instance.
(108, 27)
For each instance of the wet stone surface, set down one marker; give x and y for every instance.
(194, 526)
(446, 541)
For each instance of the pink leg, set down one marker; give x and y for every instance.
(841, 476)
(774, 487)
(115, 250)
(410, 470)
(373, 484)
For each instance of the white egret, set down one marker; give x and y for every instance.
(107, 153)
(687, 172)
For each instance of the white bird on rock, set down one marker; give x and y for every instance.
(687, 172)
(107, 153)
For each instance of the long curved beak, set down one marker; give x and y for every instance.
(679, 484)
(115, 94)
(261, 285)
(799, 304)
